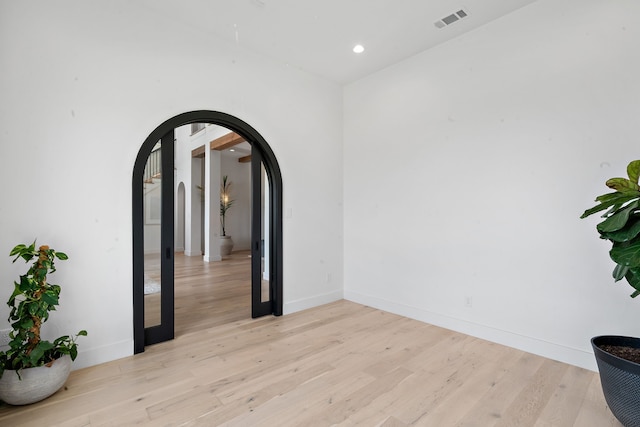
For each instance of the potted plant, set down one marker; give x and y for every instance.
(618, 357)
(32, 369)
(226, 244)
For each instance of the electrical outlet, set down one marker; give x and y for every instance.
(4, 337)
(468, 301)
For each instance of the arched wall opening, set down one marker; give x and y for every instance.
(270, 165)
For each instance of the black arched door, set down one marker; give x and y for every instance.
(266, 206)
(153, 236)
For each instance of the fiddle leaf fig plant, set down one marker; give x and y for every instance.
(30, 303)
(621, 225)
(225, 202)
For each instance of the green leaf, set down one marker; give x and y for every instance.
(625, 234)
(619, 272)
(617, 220)
(33, 309)
(50, 298)
(38, 352)
(82, 333)
(610, 196)
(25, 324)
(61, 256)
(27, 284)
(633, 277)
(626, 255)
(623, 185)
(61, 340)
(16, 292)
(17, 249)
(633, 171)
(608, 200)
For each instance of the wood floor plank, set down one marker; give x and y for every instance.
(393, 422)
(529, 403)
(435, 383)
(594, 411)
(471, 386)
(340, 364)
(510, 381)
(563, 407)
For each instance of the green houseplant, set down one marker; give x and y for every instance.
(30, 303)
(225, 202)
(617, 356)
(226, 243)
(621, 225)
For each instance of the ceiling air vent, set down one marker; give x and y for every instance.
(448, 20)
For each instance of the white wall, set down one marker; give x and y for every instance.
(83, 84)
(467, 167)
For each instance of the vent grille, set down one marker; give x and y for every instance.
(448, 20)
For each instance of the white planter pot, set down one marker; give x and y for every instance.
(36, 383)
(226, 244)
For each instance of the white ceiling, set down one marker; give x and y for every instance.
(318, 36)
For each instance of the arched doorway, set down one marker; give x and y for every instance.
(159, 145)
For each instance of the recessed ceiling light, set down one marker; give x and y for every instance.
(358, 48)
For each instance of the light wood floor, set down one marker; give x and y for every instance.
(339, 364)
(207, 294)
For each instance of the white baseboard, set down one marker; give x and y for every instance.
(573, 356)
(303, 304)
(103, 354)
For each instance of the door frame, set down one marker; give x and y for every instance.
(275, 206)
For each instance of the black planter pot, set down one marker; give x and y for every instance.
(620, 379)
